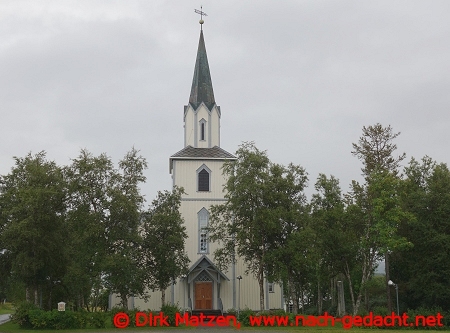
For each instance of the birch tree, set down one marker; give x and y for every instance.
(253, 221)
(381, 211)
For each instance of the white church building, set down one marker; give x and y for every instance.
(197, 168)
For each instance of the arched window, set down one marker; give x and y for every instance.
(203, 179)
(202, 130)
(203, 217)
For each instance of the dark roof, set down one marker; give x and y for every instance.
(202, 90)
(204, 264)
(214, 152)
(191, 153)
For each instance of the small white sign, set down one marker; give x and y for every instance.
(61, 306)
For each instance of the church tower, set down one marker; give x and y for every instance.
(198, 169)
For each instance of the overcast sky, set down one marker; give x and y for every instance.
(300, 78)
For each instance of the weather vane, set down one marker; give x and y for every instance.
(202, 13)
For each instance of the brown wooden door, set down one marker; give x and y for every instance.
(203, 295)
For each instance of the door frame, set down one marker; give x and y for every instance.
(211, 283)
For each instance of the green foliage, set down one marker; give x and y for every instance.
(423, 271)
(170, 311)
(432, 311)
(334, 241)
(380, 311)
(56, 319)
(375, 149)
(28, 316)
(104, 217)
(387, 213)
(163, 245)
(71, 232)
(21, 316)
(231, 312)
(32, 229)
(375, 291)
(278, 312)
(131, 314)
(244, 316)
(261, 211)
(6, 308)
(376, 206)
(97, 319)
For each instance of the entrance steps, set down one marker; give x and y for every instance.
(197, 313)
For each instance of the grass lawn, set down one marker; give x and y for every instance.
(10, 327)
(13, 328)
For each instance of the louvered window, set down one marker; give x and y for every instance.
(203, 216)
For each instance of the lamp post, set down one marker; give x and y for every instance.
(183, 277)
(239, 294)
(390, 283)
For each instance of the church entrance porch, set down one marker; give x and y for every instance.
(203, 285)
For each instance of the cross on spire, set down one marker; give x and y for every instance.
(202, 13)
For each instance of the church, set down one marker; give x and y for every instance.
(197, 168)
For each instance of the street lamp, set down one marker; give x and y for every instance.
(239, 294)
(183, 277)
(390, 283)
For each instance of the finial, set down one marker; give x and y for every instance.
(201, 16)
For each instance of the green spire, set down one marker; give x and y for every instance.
(202, 90)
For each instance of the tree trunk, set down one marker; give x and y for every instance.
(261, 288)
(333, 292)
(293, 295)
(50, 299)
(366, 299)
(163, 297)
(350, 286)
(319, 299)
(302, 299)
(124, 301)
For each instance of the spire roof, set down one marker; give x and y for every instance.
(202, 90)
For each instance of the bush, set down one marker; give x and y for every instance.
(58, 320)
(231, 312)
(332, 310)
(171, 311)
(130, 314)
(97, 319)
(21, 316)
(279, 312)
(422, 311)
(29, 316)
(244, 316)
(381, 311)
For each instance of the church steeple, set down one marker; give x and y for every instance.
(202, 90)
(202, 114)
